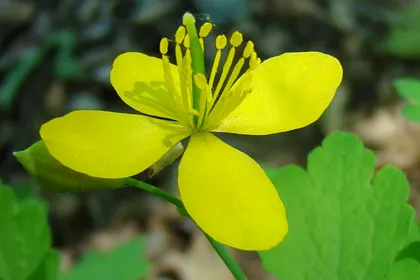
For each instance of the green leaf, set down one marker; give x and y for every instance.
(407, 269)
(408, 89)
(126, 262)
(52, 175)
(24, 235)
(341, 224)
(412, 251)
(49, 267)
(403, 40)
(411, 113)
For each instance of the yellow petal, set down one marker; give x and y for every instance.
(229, 196)
(139, 81)
(109, 145)
(289, 91)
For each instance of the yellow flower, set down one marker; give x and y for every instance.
(225, 191)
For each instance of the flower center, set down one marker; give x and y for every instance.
(201, 101)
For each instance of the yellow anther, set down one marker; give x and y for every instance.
(252, 58)
(221, 42)
(249, 48)
(180, 34)
(257, 62)
(200, 81)
(187, 41)
(236, 39)
(205, 29)
(163, 47)
(254, 61)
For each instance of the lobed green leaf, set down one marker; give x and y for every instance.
(343, 222)
(126, 262)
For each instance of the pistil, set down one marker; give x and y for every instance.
(197, 60)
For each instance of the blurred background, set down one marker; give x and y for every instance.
(55, 57)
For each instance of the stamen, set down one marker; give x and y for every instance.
(221, 43)
(200, 81)
(188, 72)
(187, 41)
(254, 61)
(195, 104)
(187, 83)
(252, 58)
(228, 102)
(180, 35)
(234, 75)
(201, 43)
(163, 46)
(179, 38)
(169, 81)
(257, 62)
(235, 41)
(205, 96)
(178, 57)
(249, 49)
(170, 84)
(205, 29)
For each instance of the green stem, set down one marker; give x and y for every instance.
(153, 190)
(227, 259)
(219, 248)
